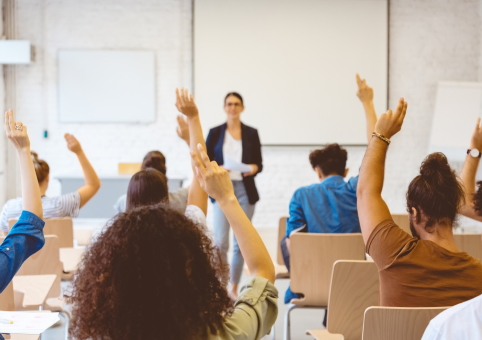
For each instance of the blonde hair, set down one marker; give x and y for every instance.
(41, 167)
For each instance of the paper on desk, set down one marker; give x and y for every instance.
(231, 164)
(27, 322)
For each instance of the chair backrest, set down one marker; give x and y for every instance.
(402, 221)
(311, 260)
(7, 300)
(45, 261)
(128, 168)
(470, 243)
(395, 323)
(62, 227)
(354, 288)
(281, 234)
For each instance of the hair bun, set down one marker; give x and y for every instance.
(435, 166)
(155, 163)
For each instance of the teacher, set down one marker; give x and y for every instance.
(241, 143)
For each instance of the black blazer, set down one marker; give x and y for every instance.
(251, 153)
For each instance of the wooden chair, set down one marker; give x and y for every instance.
(7, 300)
(470, 243)
(128, 168)
(63, 227)
(354, 287)
(402, 221)
(281, 270)
(311, 260)
(394, 323)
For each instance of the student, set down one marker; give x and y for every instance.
(159, 273)
(241, 143)
(425, 269)
(67, 205)
(329, 206)
(26, 236)
(156, 160)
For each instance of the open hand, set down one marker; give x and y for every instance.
(16, 132)
(182, 129)
(72, 143)
(185, 103)
(390, 123)
(365, 92)
(212, 178)
(476, 140)
(254, 171)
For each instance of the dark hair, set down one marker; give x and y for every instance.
(147, 187)
(234, 94)
(154, 159)
(436, 192)
(41, 167)
(477, 199)
(151, 274)
(330, 160)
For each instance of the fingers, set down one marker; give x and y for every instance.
(7, 126)
(205, 158)
(200, 168)
(358, 80)
(11, 122)
(178, 130)
(477, 124)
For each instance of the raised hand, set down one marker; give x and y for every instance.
(185, 103)
(365, 92)
(390, 123)
(476, 140)
(182, 129)
(213, 179)
(16, 132)
(72, 143)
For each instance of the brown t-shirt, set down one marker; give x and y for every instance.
(418, 273)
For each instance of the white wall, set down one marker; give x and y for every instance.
(430, 40)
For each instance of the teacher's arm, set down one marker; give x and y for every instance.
(257, 166)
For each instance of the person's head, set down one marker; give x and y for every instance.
(233, 105)
(434, 196)
(151, 274)
(329, 161)
(147, 187)
(154, 159)
(42, 170)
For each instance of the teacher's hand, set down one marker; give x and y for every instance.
(185, 103)
(254, 170)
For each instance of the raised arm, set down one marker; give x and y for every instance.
(92, 181)
(186, 105)
(217, 183)
(183, 129)
(365, 94)
(469, 171)
(372, 209)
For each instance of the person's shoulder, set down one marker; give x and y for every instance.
(217, 128)
(250, 128)
(195, 214)
(13, 204)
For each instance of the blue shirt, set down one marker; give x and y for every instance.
(326, 207)
(25, 239)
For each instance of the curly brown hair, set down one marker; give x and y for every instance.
(477, 199)
(151, 273)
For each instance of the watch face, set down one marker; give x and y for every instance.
(474, 153)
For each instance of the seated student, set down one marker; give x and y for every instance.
(66, 205)
(425, 269)
(160, 274)
(26, 236)
(156, 160)
(328, 206)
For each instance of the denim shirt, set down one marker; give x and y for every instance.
(25, 239)
(326, 207)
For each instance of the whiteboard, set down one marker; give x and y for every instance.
(457, 106)
(294, 62)
(105, 86)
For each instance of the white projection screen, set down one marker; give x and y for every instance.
(294, 62)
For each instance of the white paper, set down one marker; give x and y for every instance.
(231, 164)
(27, 322)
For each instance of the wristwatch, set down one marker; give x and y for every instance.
(474, 153)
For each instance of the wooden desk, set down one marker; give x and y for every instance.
(24, 337)
(71, 257)
(34, 287)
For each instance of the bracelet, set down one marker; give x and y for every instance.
(383, 138)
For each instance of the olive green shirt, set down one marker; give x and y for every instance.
(255, 312)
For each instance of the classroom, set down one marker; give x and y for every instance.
(220, 169)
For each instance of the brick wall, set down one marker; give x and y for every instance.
(430, 40)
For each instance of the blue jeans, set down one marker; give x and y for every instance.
(221, 232)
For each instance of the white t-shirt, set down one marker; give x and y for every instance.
(461, 322)
(67, 205)
(195, 214)
(177, 201)
(233, 149)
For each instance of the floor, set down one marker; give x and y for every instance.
(301, 319)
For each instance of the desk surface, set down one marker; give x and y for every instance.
(34, 287)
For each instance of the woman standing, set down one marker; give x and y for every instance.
(241, 143)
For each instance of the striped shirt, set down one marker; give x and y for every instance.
(67, 205)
